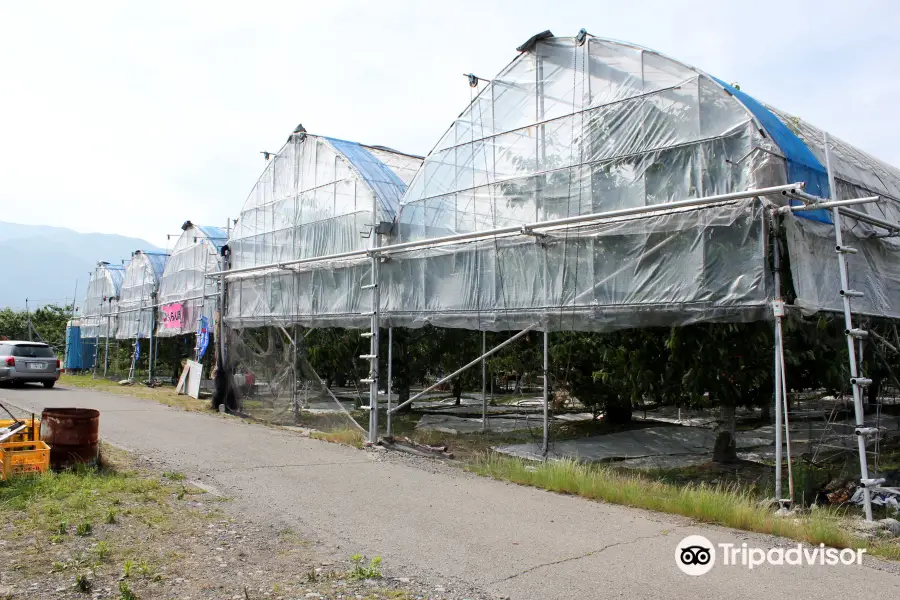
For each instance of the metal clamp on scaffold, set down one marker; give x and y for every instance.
(870, 483)
(866, 431)
(852, 293)
(778, 308)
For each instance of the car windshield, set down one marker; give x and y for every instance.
(35, 351)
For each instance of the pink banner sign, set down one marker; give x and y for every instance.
(173, 315)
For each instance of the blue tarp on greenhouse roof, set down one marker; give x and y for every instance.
(801, 162)
(117, 274)
(157, 261)
(216, 235)
(388, 187)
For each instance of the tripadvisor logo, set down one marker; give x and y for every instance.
(696, 555)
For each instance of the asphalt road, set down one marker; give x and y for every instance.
(503, 539)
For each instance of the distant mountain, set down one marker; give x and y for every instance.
(42, 263)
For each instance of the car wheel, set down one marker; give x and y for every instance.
(49, 384)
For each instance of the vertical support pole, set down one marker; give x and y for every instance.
(202, 312)
(151, 355)
(390, 380)
(779, 443)
(28, 318)
(106, 352)
(96, 339)
(779, 432)
(848, 326)
(224, 266)
(545, 447)
(295, 397)
(784, 403)
(484, 402)
(74, 299)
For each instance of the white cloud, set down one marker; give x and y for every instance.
(131, 118)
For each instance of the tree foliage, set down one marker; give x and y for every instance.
(48, 324)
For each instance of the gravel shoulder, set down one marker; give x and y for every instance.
(129, 531)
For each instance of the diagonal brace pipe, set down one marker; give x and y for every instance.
(493, 350)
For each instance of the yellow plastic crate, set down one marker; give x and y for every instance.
(25, 434)
(20, 458)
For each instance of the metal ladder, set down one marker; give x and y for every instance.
(372, 334)
(853, 334)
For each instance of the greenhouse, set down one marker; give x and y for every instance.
(571, 128)
(185, 293)
(138, 293)
(315, 198)
(592, 185)
(101, 301)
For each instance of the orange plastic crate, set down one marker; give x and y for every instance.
(20, 458)
(25, 434)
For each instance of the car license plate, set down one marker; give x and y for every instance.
(36, 366)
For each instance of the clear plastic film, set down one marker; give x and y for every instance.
(566, 129)
(100, 305)
(315, 198)
(137, 298)
(873, 270)
(185, 291)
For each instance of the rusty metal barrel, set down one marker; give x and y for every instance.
(73, 435)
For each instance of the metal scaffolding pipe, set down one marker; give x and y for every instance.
(106, 351)
(520, 229)
(390, 380)
(859, 216)
(545, 446)
(826, 204)
(851, 341)
(158, 305)
(779, 442)
(493, 350)
(483, 381)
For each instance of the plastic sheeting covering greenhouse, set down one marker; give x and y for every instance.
(185, 293)
(875, 268)
(99, 308)
(315, 198)
(570, 127)
(138, 294)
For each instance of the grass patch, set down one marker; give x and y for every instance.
(163, 394)
(362, 569)
(885, 550)
(51, 502)
(348, 437)
(725, 505)
(58, 509)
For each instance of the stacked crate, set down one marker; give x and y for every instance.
(24, 453)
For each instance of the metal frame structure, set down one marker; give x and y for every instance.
(858, 383)
(377, 252)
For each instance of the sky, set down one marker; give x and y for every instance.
(132, 117)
